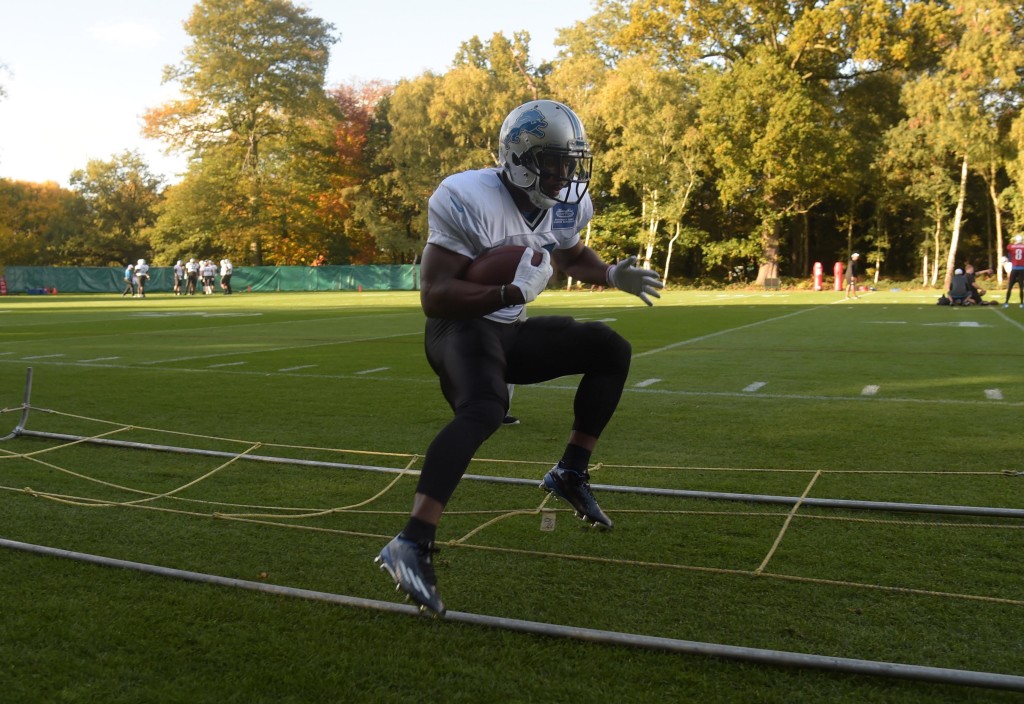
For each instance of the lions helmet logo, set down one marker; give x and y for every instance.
(530, 122)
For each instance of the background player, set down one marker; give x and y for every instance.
(1015, 255)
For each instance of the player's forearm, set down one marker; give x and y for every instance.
(455, 298)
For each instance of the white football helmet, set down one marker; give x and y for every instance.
(1017, 239)
(543, 150)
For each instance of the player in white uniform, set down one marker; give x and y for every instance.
(191, 276)
(142, 276)
(179, 276)
(478, 343)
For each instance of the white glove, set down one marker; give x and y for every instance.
(632, 279)
(530, 279)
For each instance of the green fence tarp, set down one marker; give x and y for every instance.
(42, 279)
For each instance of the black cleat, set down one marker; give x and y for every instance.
(410, 565)
(510, 420)
(574, 487)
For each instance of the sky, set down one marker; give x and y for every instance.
(80, 73)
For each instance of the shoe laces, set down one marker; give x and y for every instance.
(582, 481)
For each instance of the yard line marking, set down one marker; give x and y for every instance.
(994, 394)
(281, 349)
(755, 386)
(3, 353)
(226, 364)
(956, 324)
(681, 393)
(43, 356)
(292, 369)
(869, 390)
(666, 348)
(371, 371)
(1004, 316)
(97, 359)
(645, 383)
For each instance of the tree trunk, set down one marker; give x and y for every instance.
(998, 266)
(652, 231)
(769, 270)
(668, 257)
(957, 220)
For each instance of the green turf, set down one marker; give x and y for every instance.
(889, 399)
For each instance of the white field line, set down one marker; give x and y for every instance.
(280, 349)
(755, 386)
(571, 389)
(1004, 316)
(240, 326)
(295, 369)
(98, 359)
(692, 340)
(227, 364)
(373, 371)
(869, 390)
(645, 383)
(994, 394)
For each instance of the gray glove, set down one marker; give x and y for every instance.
(530, 279)
(632, 279)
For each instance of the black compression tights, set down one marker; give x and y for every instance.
(542, 349)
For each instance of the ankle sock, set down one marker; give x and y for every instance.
(575, 458)
(419, 532)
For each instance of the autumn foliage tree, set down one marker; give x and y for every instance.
(255, 120)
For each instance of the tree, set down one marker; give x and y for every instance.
(254, 108)
(40, 224)
(121, 196)
(436, 126)
(965, 105)
(653, 146)
(779, 153)
(775, 142)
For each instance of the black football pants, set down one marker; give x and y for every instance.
(475, 359)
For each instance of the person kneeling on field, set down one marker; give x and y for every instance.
(959, 289)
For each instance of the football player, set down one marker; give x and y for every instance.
(1015, 256)
(478, 340)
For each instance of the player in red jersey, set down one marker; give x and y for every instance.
(1015, 253)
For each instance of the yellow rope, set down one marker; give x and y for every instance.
(496, 516)
(326, 512)
(785, 524)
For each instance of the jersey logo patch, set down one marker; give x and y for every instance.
(563, 216)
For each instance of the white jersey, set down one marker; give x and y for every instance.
(142, 270)
(472, 212)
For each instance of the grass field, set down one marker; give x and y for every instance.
(889, 398)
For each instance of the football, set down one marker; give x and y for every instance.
(498, 266)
